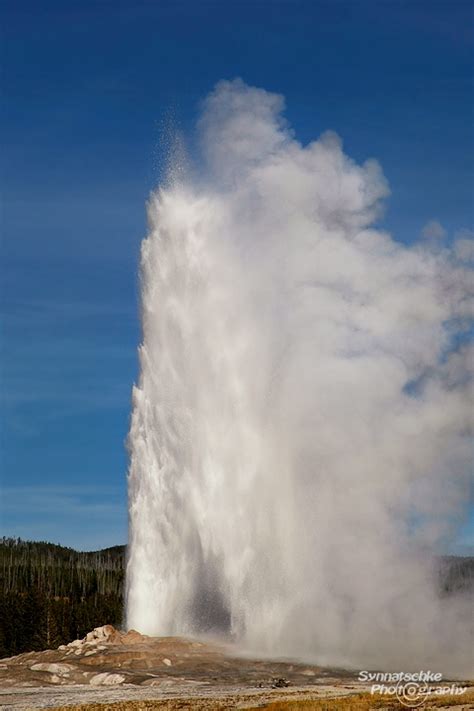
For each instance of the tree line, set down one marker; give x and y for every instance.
(50, 594)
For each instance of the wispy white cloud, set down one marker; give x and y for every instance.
(47, 309)
(464, 245)
(50, 355)
(433, 232)
(86, 517)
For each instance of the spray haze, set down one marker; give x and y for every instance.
(299, 444)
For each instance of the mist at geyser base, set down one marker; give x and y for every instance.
(299, 443)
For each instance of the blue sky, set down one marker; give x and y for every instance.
(88, 87)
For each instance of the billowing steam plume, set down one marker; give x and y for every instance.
(300, 432)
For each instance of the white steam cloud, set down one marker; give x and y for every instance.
(300, 432)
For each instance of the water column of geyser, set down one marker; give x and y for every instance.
(299, 439)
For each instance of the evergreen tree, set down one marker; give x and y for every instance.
(50, 595)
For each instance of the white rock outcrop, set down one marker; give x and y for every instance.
(53, 668)
(99, 638)
(106, 679)
(101, 634)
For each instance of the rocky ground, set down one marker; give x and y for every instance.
(109, 667)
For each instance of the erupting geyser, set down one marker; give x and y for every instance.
(299, 438)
